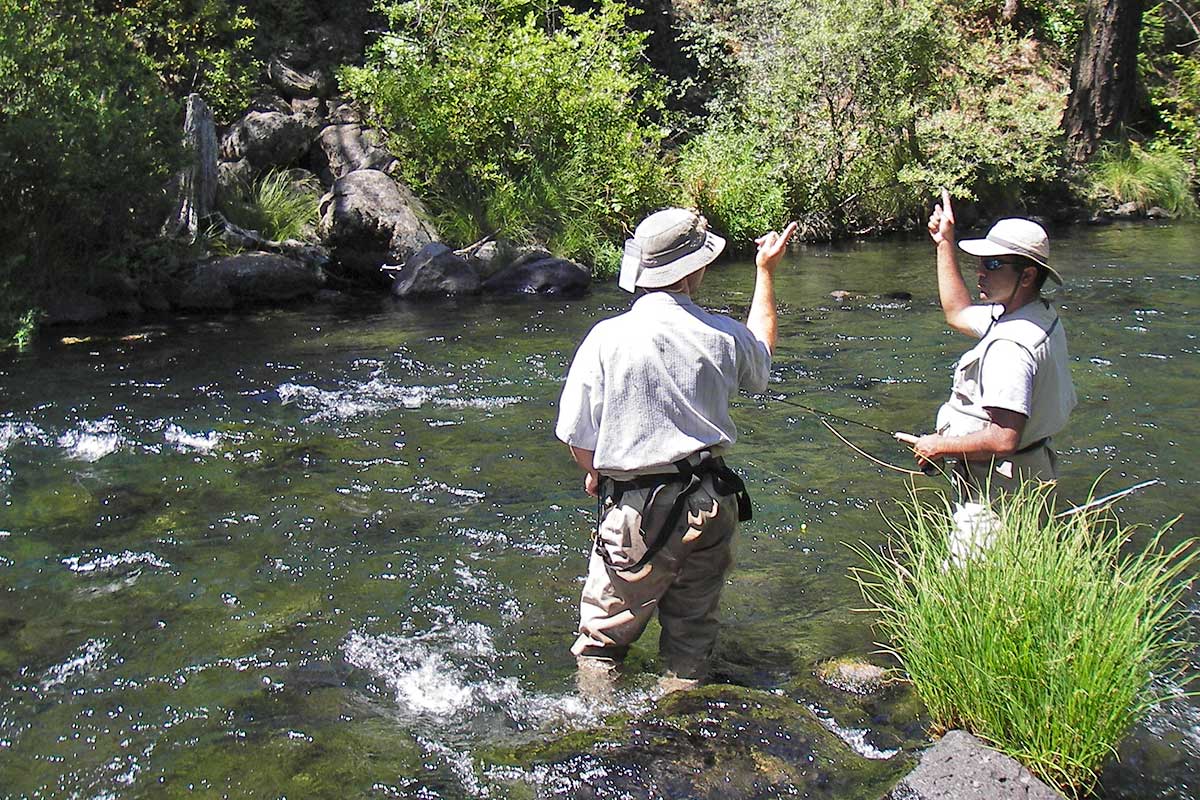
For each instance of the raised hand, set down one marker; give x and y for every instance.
(941, 221)
(772, 246)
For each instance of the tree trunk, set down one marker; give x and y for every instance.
(196, 185)
(1104, 78)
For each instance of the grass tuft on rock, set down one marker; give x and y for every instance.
(1051, 645)
(279, 206)
(1149, 176)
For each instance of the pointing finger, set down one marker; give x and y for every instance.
(947, 209)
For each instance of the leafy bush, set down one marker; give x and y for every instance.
(278, 205)
(1155, 176)
(204, 47)
(827, 106)
(518, 117)
(1050, 645)
(87, 140)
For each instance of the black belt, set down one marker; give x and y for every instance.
(725, 482)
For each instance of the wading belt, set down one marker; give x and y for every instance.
(669, 493)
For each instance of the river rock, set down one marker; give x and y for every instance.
(714, 742)
(342, 149)
(368, 219)
(435, 269)
(960, 767)
(1158, 212)
(852, 675)
(246, 279)
(1128, 210)
(295, 79)
(267, 139)
(549, 276)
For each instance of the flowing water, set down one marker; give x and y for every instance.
(336, 552)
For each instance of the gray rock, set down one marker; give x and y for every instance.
(342, 112)
(1158, 212)
(342, 149)
(246, 279)
(368, 219)
(311, 112)
(960, 767)
(298, 80)
(551, 277)
(71, 306)
(267, 139)
(490, 257)
(234, 174)
(435, 269)
(1128, 210)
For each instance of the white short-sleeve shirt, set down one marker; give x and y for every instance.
(651, 386)
(1020, 364)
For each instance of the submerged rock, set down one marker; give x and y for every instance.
(715, 742)
(435, 269)
(550, 276)
(852, 675)
(247, 278)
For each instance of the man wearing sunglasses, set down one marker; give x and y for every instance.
(1012, 391)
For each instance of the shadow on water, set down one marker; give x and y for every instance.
(337, 552)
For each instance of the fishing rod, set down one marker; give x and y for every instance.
(907, 438)
(1107, 499)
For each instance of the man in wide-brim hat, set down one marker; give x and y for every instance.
(1012, 391)
(645, 411)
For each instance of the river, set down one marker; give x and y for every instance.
(335, 552)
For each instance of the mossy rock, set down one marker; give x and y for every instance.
(717, 741)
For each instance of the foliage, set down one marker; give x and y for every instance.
(202, 46)
(856, 130)
(1049, 645)
(1052, 21)
(726, 173)
(278, 205)
(1170, 69)
(87, 139)
(518, 116)
(1001, 134)
(1158, 175)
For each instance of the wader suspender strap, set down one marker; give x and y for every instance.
(725, 482)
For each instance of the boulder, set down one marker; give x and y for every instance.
(1158, 212)
(72, 306)
(247, 279)
(1128, 210)
(267, 139)
(234, 174)
(342, 149)
(960, 767)
(296, 79)
(435, 269)
(368, 219)
(549, 276)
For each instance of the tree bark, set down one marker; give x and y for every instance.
(196, 185)
(1104, 77)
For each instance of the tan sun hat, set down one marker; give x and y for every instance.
(667, 246)
(1015, 237)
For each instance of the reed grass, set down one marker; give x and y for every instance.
(1155, 176)
(1050, 645)
(278, 205)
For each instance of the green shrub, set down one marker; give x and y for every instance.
(1158, 175)
(87, 141)
(730, 173)
(278, 205)
(204, 47)
(518, 117)
(1050, 645)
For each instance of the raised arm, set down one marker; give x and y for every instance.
(952, 289)
(762, 319)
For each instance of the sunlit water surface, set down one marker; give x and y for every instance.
(336, 552)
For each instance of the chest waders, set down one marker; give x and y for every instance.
(668, 497)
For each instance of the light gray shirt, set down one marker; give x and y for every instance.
(1020, 364)
(651, 386)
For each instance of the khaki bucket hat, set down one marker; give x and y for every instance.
(1015, 237)
(667, 246)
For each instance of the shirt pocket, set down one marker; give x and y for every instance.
(967, 387)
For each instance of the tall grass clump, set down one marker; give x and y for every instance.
(278, 205)
(1050, 645)
(1150, 176)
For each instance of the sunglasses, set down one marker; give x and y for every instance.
(993, 264)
